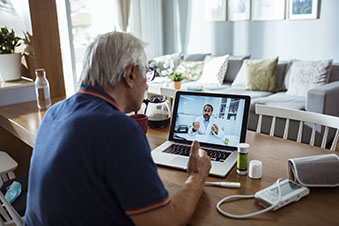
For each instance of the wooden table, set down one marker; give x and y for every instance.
(19, 124)
(321, 207)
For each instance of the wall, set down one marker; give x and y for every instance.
(302, 39)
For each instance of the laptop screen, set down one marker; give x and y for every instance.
(212, 119)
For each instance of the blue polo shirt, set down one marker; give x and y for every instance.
(91, 165)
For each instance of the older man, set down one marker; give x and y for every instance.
(91, 163)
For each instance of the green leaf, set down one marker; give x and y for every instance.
(8, 41)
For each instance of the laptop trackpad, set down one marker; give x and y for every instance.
(180, 162)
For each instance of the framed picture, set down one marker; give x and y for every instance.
(239, 10)
(268, 9)
(302, 9)
(215, 10)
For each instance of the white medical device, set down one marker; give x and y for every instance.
(283, 192)
(290, 192)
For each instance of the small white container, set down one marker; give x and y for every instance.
(255, 169)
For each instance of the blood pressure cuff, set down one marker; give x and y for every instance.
(315, 171)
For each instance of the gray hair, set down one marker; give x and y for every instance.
(108, 56)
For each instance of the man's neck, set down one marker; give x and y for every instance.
(119, 96)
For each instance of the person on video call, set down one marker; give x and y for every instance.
(206, 124)
(92, 164)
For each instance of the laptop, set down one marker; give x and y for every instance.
(207, 111)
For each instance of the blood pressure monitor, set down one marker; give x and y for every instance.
(290, 192)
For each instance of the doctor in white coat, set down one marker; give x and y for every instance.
(205, 124)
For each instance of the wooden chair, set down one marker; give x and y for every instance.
(302, 116)
(7, 166)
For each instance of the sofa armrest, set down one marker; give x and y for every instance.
(324, 99)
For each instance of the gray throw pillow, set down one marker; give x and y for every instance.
(234, 65)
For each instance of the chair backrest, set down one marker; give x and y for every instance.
(7, 166)
(302, 116)
(13, 218)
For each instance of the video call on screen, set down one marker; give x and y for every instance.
(227, 115)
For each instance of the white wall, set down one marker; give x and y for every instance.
(301, 39)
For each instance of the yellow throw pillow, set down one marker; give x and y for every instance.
(262, 75)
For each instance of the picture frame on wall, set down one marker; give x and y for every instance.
(303, 9)
(215, 10)
(268, 9)
(239, 10)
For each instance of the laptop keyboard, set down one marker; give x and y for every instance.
(214, 154)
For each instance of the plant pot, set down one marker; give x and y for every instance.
(177, 84)
(10, 66)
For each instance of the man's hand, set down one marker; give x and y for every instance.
(196, 126)
(184, 203)
(215, 129)
(199, 163)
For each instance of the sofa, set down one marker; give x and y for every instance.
(321, 98)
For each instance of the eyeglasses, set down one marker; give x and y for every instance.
(150, 74)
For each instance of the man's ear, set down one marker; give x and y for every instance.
(130, 75)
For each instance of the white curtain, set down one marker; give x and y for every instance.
(123, 7)
(184, 14)
(146, 23)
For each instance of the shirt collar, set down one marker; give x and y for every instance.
(93, 91)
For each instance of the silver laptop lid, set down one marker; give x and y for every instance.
(215, 120)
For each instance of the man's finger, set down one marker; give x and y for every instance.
(195, 148)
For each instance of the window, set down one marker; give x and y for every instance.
(80, 21)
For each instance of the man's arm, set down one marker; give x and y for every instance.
(183, 204)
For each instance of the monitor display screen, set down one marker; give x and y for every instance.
(213, 120)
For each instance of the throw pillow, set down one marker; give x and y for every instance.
(305, 75)
(166, 64)
(233, 67)
(214, 70)
(241, 78)
(262, 75)
(191, 70)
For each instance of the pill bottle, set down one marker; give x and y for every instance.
(242, 160)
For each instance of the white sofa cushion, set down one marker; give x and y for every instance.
(280, 99)
(305, 75)
(241, 91)
(241, 78)
(214, 70)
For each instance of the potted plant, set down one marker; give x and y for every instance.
(10, 62)
(176, 78)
